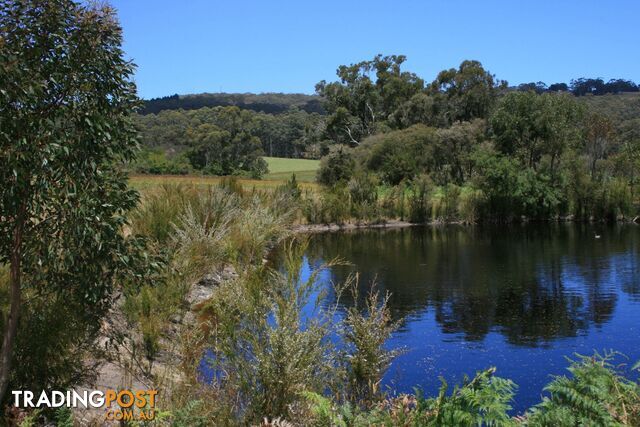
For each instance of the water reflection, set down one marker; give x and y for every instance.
(533, 284)
(521, 298)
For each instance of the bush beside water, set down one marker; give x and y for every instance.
(272, 363)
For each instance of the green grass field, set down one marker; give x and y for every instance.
(280, 169)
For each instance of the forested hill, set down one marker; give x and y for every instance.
(622, 108)
(273, 103)
(276, 103)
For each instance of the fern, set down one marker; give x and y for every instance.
(324, 413)
(482, 401)
(188, 415)
(64, 417)
(595, 394)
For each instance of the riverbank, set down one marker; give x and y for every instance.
(321, 228)
(391, 224)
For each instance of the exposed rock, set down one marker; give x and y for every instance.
(203, 290)
(113, 375)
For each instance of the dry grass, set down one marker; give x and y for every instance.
(146, 182)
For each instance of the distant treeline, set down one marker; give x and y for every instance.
(226, 140)
(272, 103)
(583, 86)
(278, 103)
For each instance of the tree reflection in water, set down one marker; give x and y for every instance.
(531, 283)
(521, 298)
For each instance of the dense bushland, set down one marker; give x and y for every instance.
(488, 152)
(226, 140)
(563, 150)
(273, 103)
(466, 148)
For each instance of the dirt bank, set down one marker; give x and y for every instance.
(320, 228)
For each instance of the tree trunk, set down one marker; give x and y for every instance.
(11, 327)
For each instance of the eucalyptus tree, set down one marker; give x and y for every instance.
(226, 146)
(66, 97)
(367, 93)
(466, 93)
(599, 134)
(530, 126)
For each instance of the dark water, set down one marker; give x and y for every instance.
(520, 298)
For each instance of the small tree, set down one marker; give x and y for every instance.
(366, 330)
(65, 104)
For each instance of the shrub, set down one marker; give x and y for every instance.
(157, 162)
(291, 188)
(337, 167)
(535, 195)
(256, 227)
(444, 203)
(160, 210)
(419, 203)
(363, 189)
(470, 204)
(365, 331)
(312, 208)
(613, 200)
(287, 198)
(200, 231)
(393, 203)
(400, 155)
(267, 350)
(231, 185)
(363, 192)
(331, 207)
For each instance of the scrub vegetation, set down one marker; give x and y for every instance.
(465, 147)
(176, 285)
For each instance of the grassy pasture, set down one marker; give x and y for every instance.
(280, 169)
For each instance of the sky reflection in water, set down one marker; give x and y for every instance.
(520, 298)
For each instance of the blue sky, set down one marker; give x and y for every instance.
(193, 46)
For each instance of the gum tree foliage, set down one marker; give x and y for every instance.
(537, 87)
(529, 126)
(586, 86)
(599, 135)
(226, 146)
(65, 102)
(445, 154)
(466, 93)
(400, 155)
(533, 152)
(293, 133)
(238, 150)
(367, 93)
